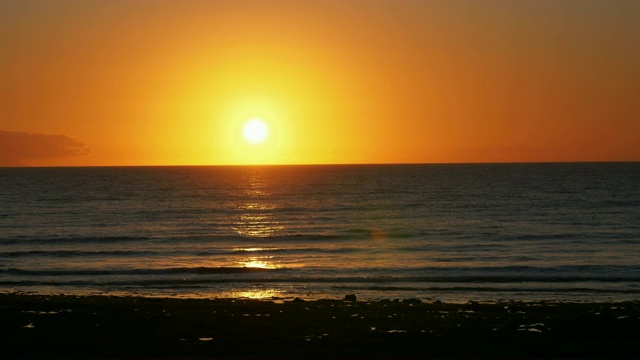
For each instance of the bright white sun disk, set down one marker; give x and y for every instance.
(255, 131)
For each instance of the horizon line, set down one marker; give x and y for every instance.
(330, 164)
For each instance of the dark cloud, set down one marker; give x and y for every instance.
(16, 147)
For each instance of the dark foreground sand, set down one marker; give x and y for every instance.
(120, 327)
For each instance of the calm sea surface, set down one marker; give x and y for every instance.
(447, 232)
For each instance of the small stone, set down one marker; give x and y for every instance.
(350, 297)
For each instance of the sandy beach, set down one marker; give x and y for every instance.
(40, 326)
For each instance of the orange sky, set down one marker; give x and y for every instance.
(157, 82)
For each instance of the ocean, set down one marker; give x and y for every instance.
(449, 232)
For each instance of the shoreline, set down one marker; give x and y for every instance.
(102, 326)
(291, 290)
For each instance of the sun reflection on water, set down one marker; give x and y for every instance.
(256, 206)
(256, 221)
(256, 294)
(262, 262)
(253, 249)
(256, 210)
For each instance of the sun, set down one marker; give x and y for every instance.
(255, 131)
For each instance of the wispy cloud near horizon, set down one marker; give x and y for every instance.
(17, 148)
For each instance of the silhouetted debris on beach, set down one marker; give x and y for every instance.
(103, 326)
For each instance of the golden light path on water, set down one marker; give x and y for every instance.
(256, 262)
(261, 262)
(255, 220)
(257, 225)
(255, 294)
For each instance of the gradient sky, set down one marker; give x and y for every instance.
(156, 82)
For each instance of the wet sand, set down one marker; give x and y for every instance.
(37, 326)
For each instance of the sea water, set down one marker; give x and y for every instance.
(434, 232)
